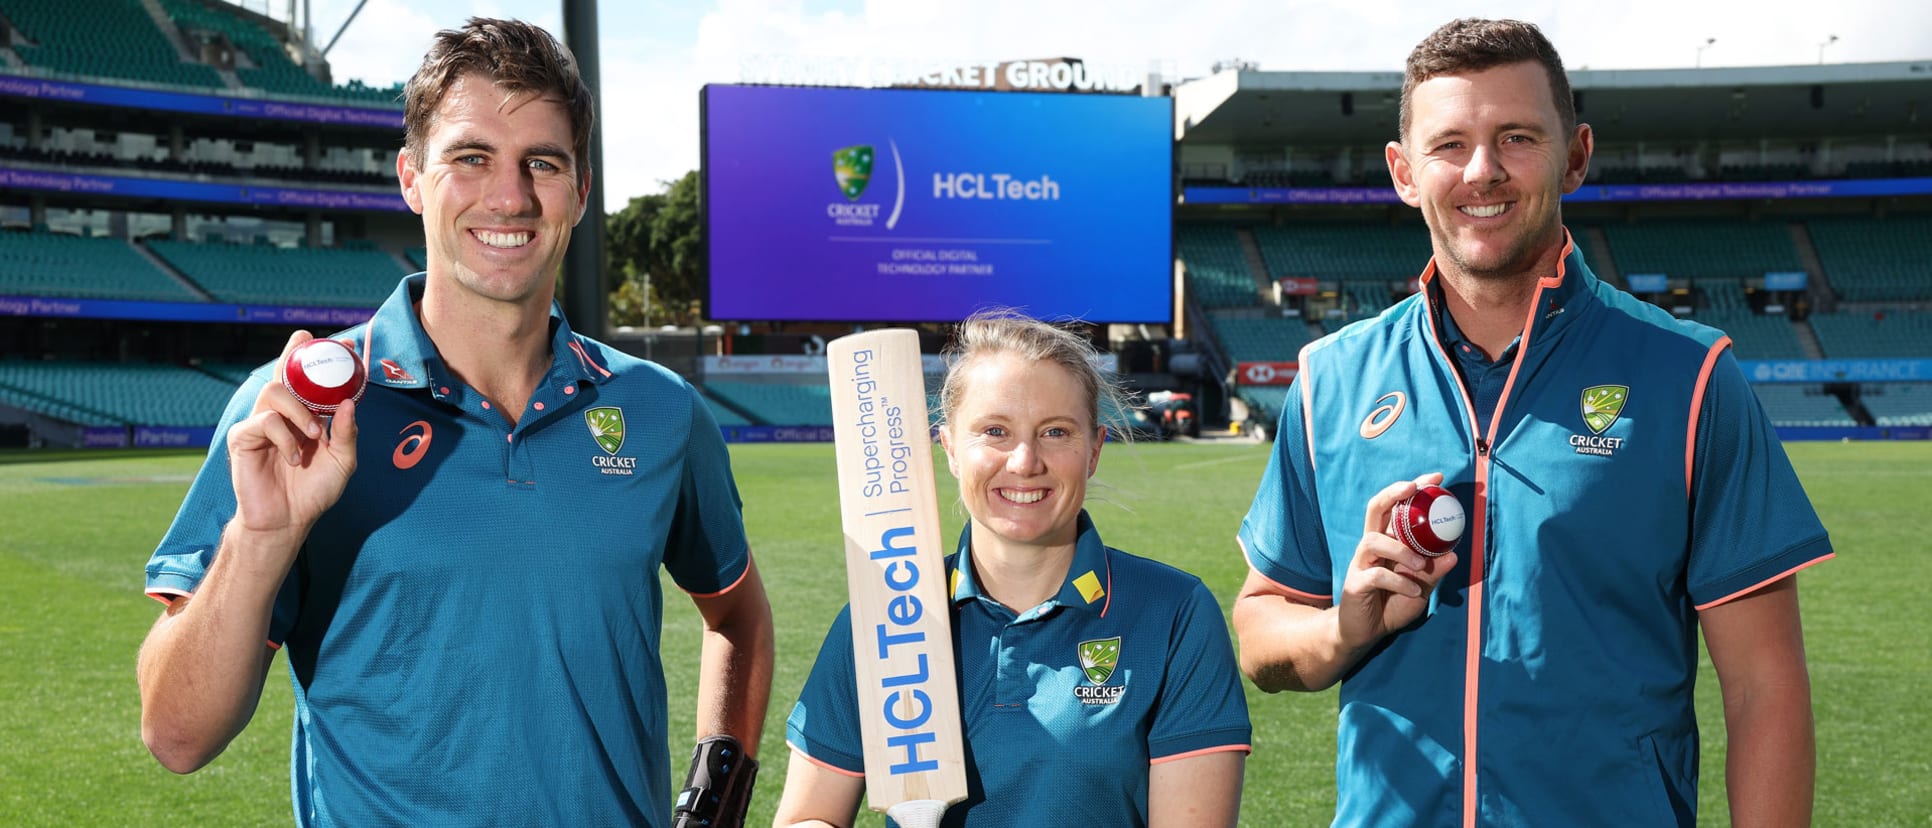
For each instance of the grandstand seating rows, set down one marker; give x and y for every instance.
(267, 275)
(777, 403)
(1876, 259)
(112, 39)
(1899, 403)
(1701, 248)
(104, 393)
(1874, 335)
(1756, 335)
(1249, 338)
(116, 39)
(1216, 267)
(1802, 405)
(52, 264)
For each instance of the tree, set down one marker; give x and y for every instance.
(653, 244)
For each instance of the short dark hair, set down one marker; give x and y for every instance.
(515, 56)
(1473, 45)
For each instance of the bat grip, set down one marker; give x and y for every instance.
(917, 813)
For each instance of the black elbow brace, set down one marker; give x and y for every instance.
(717, 789)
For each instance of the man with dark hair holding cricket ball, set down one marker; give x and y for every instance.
(1623, 490)
(463, 564)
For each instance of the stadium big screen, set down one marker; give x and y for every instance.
(872, 205)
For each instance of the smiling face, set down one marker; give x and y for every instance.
(499, 191)
(1022, 441)
(1487, 160)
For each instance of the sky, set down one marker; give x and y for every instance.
(657, 54)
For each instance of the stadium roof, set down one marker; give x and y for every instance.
(1311, 109)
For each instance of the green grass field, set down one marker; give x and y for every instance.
(76, 529)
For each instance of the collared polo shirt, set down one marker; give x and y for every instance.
(1624, 481)
(472, 630)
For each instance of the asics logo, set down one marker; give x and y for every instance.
(410, 451)
(1387, 411)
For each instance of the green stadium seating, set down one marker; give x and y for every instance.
(1876, 260)
(1890, 334)
(1344, 252)
(1248, 338)
(1703, 248)
(1757, 335)
(267, 275)
(778, 403)
(106, 38)
(1899, 403)
(108, 393)
(74, 267)
(1217, 269)
(1801, 405)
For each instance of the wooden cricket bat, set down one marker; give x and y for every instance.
(895, 573)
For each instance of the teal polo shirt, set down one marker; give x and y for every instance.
(1623, 479)
(472, 630)
(1049, 742)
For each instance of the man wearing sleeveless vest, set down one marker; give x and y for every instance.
(1623, 489)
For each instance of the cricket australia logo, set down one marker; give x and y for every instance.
(606, 426)
(852, 167)
(1602, 405)
(852, 171)
(1098, 658)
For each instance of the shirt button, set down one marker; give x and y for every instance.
(486, 405)
(569, 390)
(538, 406)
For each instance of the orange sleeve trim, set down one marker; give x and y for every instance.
(166, 596)
(734, 584)
(800, 753)
(1202, 752)
(1765, 583)
(1697, 407)
(1307, 596)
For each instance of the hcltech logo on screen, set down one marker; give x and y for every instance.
(852, 171)
(994, 185)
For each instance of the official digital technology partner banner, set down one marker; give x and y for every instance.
(908, 205)
(54, 306)
(131, 98)
(1694, 191)
(169, 188)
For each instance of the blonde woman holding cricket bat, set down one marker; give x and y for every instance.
(1096, 687)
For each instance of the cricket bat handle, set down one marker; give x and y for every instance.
(917, 813)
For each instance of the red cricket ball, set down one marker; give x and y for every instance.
(1431, 521)
(323, 374)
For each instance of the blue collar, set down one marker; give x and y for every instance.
(1089, 578)
(400, 353)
